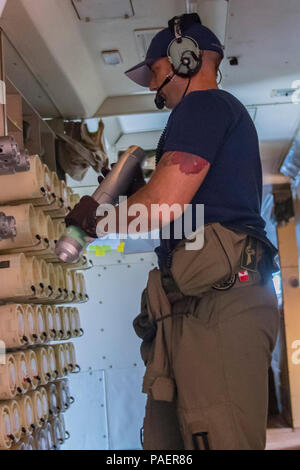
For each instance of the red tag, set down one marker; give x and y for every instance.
(243, 276)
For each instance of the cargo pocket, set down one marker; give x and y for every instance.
(196, 271)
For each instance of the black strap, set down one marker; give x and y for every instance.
(204, 437)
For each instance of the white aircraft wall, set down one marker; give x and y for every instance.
(109, 406)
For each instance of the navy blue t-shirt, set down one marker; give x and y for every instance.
(216, 126)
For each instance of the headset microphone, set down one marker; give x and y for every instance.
(159, 100)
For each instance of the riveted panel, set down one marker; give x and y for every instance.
(125, 407)
(114, 291)
(86, 420)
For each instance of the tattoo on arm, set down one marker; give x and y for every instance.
(188, 163)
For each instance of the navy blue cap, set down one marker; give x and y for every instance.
(204, 37)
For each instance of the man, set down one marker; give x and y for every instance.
(209, 317)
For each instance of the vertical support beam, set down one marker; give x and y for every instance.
(3, 123)
(288, 255)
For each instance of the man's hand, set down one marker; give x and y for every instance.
(84, 216)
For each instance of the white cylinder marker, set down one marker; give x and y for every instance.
(71, 357)
(30, 331)
(40, 326)
(42, 279)
(64, 209)
(8, 376)
(64, 315)
(41, 223)
(13, 326)
(32, 368)
(30, 443)
(48, 179)
(62, 396)
(65, 385)
(52, 365)
(69, 284)
(82, 286)
(27, 186)
(76, 285)
(54, 437)
(45, 403)
(58, 323)
(51, 228)
(59, 228)
(72, 319)
(49, 431)
(52, 190)
(27, 414)
(49, 322)
(15, 412)
(68, 356)
(65, 194)
(53, 282)
(61, 282)
(62, 426)
(49, 187)
(6, 426)
(60, 357)
(41, 439)
(37, 408)
(56, 186)
(52, 399)
(59, 437)
(23, 374)
(21, 326)
(42, 360)
(34, 268)
(76, 317)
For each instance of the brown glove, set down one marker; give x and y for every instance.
(84, 216)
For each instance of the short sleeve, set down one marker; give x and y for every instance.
(198, 125)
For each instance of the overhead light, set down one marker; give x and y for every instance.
(294, 92)
(282, 92)
(111, 57)
(102, 10)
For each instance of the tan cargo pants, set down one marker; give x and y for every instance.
(219, 354)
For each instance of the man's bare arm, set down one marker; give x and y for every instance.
(176, 179)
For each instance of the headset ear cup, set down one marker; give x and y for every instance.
(192, 62)
(185, 56)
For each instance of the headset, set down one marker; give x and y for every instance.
(183, 53)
